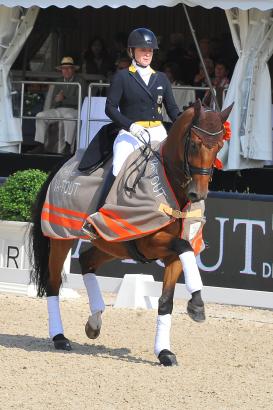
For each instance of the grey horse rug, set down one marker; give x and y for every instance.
(71, 196)
(135, 207)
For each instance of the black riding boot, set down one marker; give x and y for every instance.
(107, 185)
(87, 228)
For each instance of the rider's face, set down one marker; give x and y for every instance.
(143, 56)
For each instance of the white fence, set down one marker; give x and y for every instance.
(133, 291)
(137, 291)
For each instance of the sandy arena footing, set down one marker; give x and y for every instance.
(224, 363)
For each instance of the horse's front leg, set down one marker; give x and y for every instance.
(165, 308)
(193, 281)
(58, 252)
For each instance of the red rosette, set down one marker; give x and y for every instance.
(218, 163)
(227, 128)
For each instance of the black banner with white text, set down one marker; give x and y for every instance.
(239, 245)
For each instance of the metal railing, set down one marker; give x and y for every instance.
(90, 87)
(16, 75)
(29, 117)
(99, 87)
(105, 85)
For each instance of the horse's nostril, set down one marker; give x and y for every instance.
(192, 196)
(195, 197)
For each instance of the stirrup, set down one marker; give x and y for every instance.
(88, 229)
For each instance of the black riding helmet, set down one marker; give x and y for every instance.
(142, 38)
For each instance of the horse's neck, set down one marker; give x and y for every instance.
(174, 144)
(173, 154)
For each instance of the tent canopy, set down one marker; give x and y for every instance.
(251, 27)
(223, 4)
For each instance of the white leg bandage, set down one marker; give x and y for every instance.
(162, 337)
(192, 276)
(96, 302)
(54, 316)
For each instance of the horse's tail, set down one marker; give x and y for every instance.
(39, 245)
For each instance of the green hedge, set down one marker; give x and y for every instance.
(18, 194)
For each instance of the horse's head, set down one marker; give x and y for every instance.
(203, 137)
(202, 142)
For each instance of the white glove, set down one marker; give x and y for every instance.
(137, 130)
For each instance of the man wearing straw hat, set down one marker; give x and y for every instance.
(65, 106)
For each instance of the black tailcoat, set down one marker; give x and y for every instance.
(130, 99)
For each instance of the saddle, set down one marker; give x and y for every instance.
(100, 149)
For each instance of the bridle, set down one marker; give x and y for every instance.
(190, 170)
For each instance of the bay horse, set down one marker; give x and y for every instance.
(188, 157)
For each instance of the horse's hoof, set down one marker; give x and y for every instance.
(196, 313)
(93, 326)
(61, 342)
(167, 358)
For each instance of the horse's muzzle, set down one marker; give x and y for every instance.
(195, 195)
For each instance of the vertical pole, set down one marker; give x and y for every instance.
(201, 59)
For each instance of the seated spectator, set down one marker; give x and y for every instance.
(97, 59)
(172, 72)
(65, 103)
(123, 62)
(221, 73)
(216, 48)
(119, 48)
(176, 50)
(200, 78)
(205, 47)
(182, 96)
(190, 65)
(219, 82)
(120, 64)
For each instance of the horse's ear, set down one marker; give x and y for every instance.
(197, 108)
(224, 114)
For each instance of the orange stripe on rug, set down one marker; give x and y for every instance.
(113, 226)
(51, 207)
(61, 221)
(119, 219)
(123, 238)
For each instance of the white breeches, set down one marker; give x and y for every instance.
(125, 143)
(68, 126)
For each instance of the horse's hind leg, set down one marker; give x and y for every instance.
(58, 253)
(90, 261)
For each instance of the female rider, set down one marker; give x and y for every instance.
(135, 99)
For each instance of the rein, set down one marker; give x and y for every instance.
(188, 169)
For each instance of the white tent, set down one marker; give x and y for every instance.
(224, 4)
(15, 26)
(251, 24)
